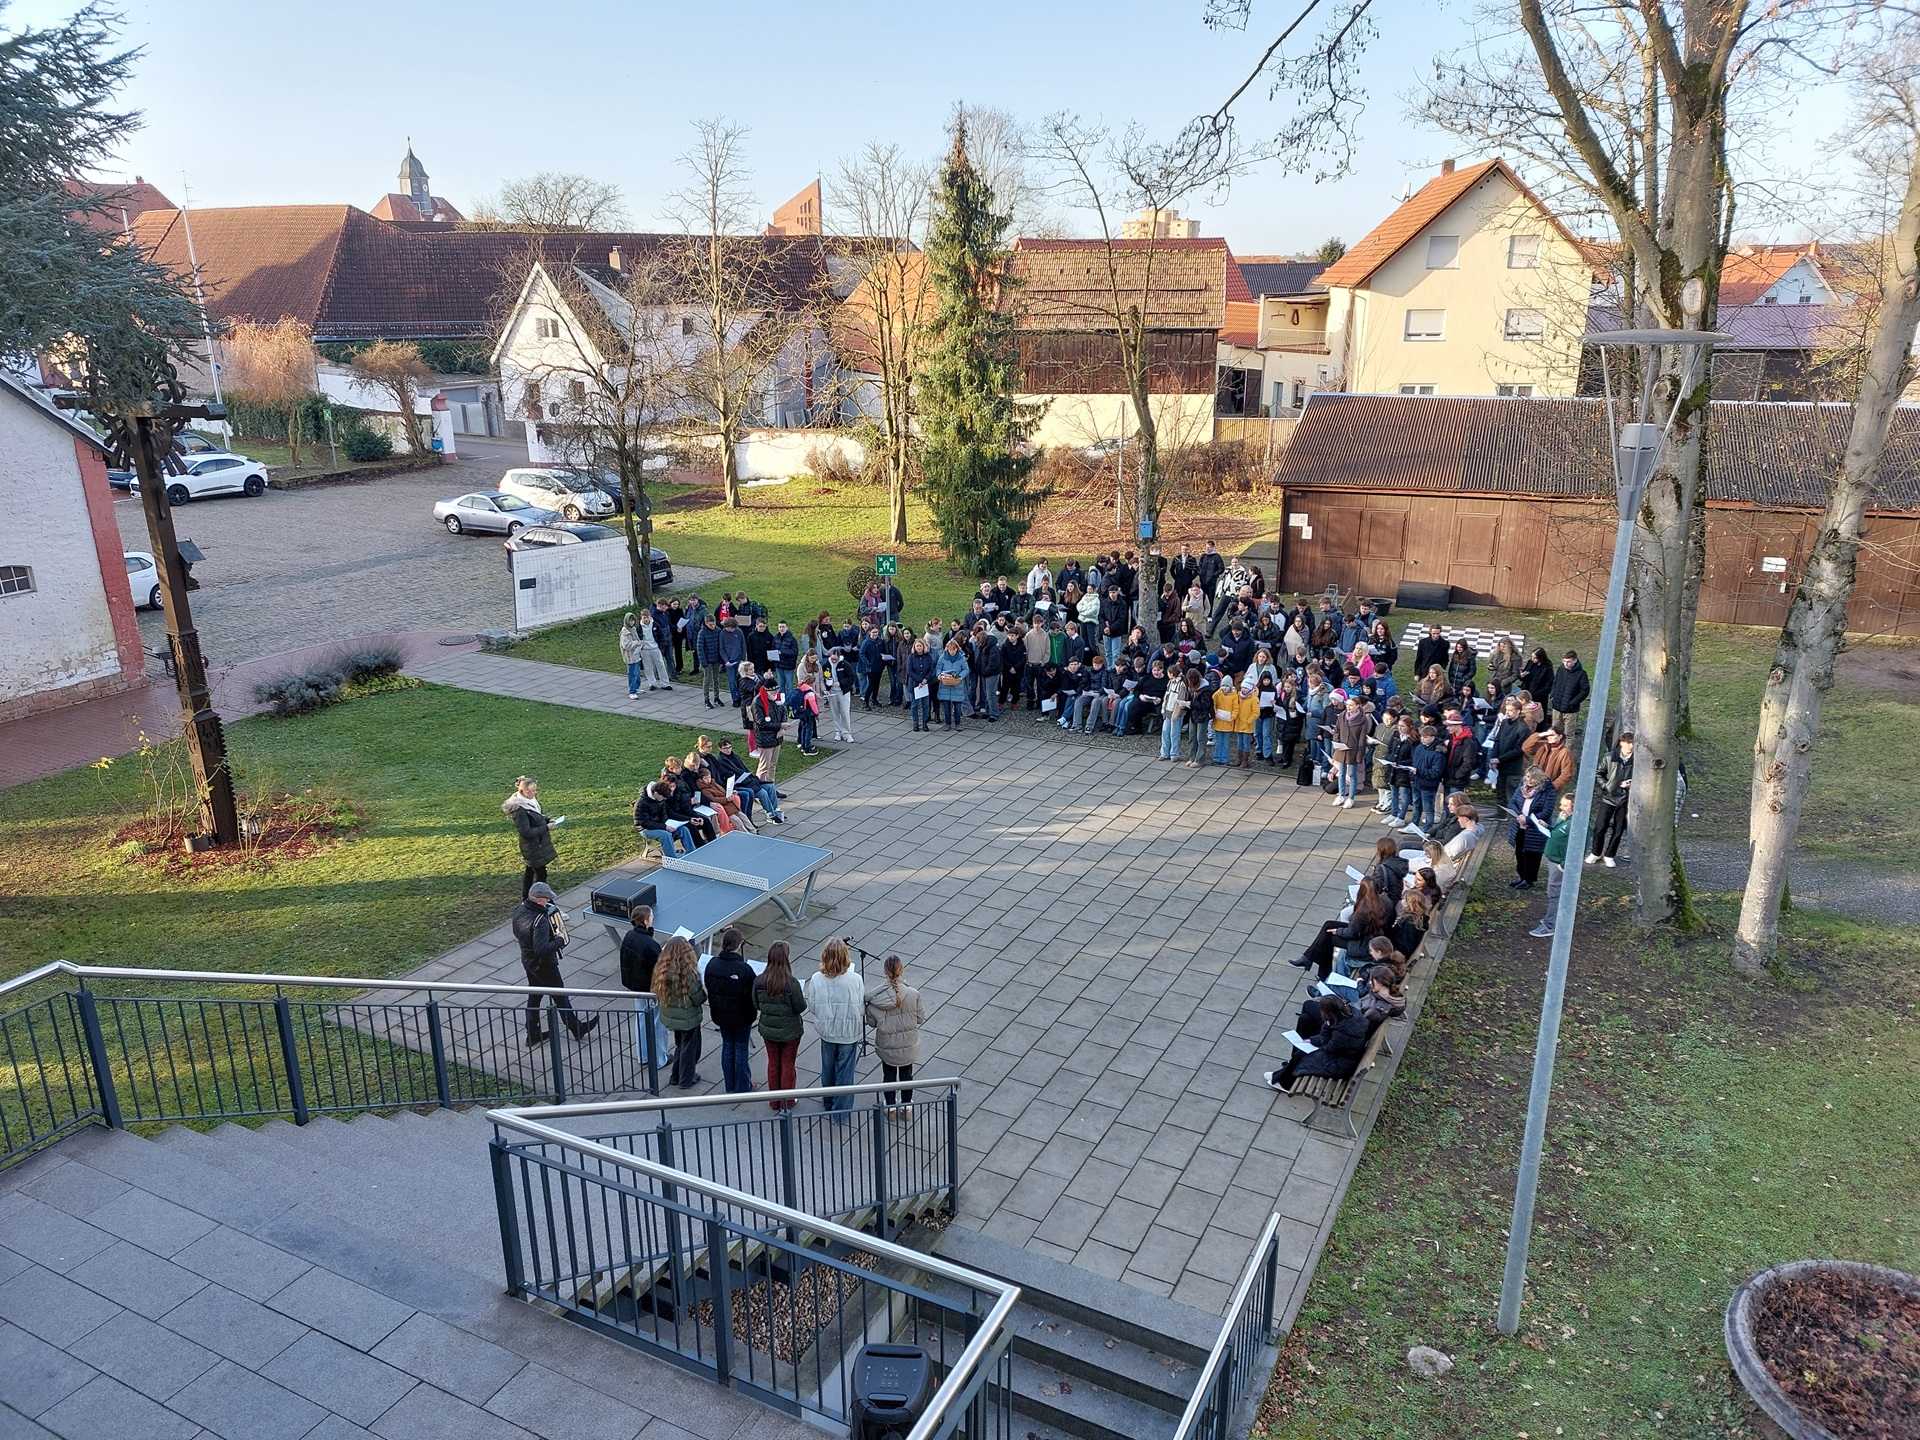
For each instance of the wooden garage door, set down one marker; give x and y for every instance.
(1472, 572)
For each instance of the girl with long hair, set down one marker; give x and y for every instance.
(896, 1013)
(676, 980)
(781, 1003)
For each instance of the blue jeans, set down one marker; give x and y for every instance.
(1350, 777)
(923, 711)
(1222, 746)
(674, 840)
(736, 1073)
(750, 788)
(1123, 714)
(1200, 736)
(662, 1041)
(1400, 800)
(1263, 736)
(809, 729)
(787, 686)
(1172, 731)
(987, 701)
(1426, 804)
(633, 678)
(1113, 645)
(836, 1068)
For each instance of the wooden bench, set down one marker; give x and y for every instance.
(1328, 1093)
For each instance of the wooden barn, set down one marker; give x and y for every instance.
(1510, 503)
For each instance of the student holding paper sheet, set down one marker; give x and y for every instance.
(1334, 1048)
(1532, 812)
(1350, 733)
(920, 685)
(1555, 854)
(537, 850)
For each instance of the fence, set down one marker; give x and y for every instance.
(624, 1233)
(83, 1057)
(1235, 1361)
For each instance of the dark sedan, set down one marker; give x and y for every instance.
(579, 533)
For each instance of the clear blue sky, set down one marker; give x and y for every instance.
(271, 102)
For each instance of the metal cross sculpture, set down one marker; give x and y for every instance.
(139, 437)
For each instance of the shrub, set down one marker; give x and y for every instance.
(300, 693)
(362, 444)
(358, 665)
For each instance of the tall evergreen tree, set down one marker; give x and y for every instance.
(978, 484)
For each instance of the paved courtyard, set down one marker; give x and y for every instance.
(1101, 942)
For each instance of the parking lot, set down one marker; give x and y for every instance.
(302, 567)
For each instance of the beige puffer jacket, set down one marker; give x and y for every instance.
(896, 1023)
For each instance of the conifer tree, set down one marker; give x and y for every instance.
(976, 480)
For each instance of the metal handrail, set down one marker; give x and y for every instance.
(337, 982)
(1216, 1357)
(576, 1108)
(519, 1118)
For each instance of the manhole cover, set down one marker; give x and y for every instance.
(456, 639)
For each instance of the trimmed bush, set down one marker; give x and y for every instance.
(358, 665)
(301, 693)
(362, 444)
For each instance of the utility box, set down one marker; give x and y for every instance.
(891, 1387)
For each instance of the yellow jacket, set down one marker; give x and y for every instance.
(1246, 713)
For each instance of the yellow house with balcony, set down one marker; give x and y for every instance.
(1470, 287)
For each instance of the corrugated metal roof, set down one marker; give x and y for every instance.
(1762, 453)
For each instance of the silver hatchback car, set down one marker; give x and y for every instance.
(489, 512)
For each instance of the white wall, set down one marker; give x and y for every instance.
(569, 581)
(1075, 420)
(777, 454)
(60, 633)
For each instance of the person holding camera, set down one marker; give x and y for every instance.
(540, 925)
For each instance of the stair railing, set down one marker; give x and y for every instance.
(1224, 1381)
(765, 1297)
(84, 1056)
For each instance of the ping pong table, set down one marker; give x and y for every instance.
(703, 893)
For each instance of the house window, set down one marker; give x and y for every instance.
(1416, 390)
(1514, 392)
(1443, 252)
(1525, 325)
(1426, 324)
(686, 325)
(546, 329)
(1523, 252)
(15, 579)
(1299, 394)
(578, 390)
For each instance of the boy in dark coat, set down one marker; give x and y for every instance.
(729, 981)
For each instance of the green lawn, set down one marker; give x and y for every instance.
(434, 864)
(791, 547)
(1703, 1128)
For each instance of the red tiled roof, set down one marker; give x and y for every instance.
(351, 276)
(1065, 284)
(1763, 453)
(114, 201)
(1426, 205)
(1752, 270)
(395, 206)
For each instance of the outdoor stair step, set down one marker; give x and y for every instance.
(1088, 1352)
(1150, 1322)
(1074, 1405)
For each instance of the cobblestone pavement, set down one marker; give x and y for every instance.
(292, 568)
(1100, 939)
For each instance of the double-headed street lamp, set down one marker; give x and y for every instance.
(1638, 440)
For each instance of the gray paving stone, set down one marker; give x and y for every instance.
(240, 1404)
(52, 1306)
(429, 1414)
(48, 1237)
(145, 1356)
(338, 1377)
(558, 1408)
(15, 1426)
(1125, 1224)
(75, 1188)
(343, 1308)
(238, 1261)
(11, 1264)
(232, 1325)
(36, 1376)
(104, 1409)
(449, 1358)
(151, 1223)
(137, 1279)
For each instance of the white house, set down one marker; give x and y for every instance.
(547, 354)
(67, 626)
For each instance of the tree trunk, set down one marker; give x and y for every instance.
(1802, 673)
(730, 464)
(897, 509)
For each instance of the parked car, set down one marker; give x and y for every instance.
(216, 473)
(120, 480)
(567, 491)
(192, 442)
(1104, 449)
(608, 481)
(143, 578)
(490, 512)
(536, 537)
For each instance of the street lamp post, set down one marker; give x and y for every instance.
(1638, 442)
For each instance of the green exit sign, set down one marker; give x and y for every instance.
(886, 564)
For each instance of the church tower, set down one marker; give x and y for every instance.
(415, 201)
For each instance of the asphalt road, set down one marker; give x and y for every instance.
(303, 567)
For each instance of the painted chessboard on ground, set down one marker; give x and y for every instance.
(1482, 640)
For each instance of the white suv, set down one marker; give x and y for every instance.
(574, 496)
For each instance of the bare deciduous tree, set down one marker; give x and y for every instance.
(884, 202)
(737, 308)
(273, 367)
(1109, 175)
(396, 367)
(1815, 629)
(553, 200)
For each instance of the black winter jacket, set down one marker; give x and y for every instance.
(729, 982)
(639, 952)
(533, 928)
(1570, 689)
